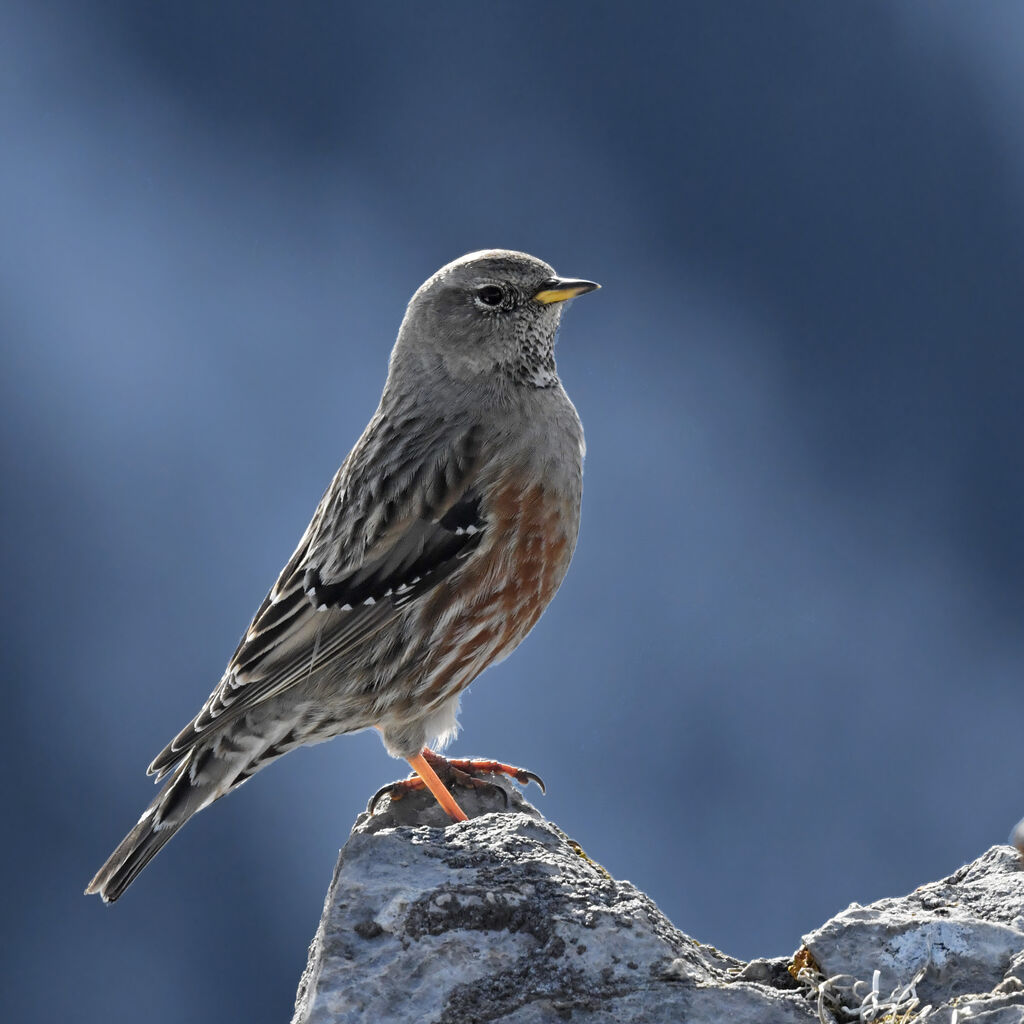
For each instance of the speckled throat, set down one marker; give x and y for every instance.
(534, 363)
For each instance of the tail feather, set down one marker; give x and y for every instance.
(205, 773)
(176, 802)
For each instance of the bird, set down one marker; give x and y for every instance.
(431, 555)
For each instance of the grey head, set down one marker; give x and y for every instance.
(488, 317)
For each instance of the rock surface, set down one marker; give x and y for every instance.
(959, 940)
(502, 918)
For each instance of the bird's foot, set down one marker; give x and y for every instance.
(464, 770)
(456, 771)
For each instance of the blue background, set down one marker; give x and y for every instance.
(785, 670)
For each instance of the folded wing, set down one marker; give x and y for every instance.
(323, 606)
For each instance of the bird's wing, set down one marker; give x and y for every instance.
(345, 583)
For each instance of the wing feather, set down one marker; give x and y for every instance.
(323, 606)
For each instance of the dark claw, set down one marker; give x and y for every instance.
(462, 778)
(526, 777)
(371, 807)
(395, 790)
(493, 785)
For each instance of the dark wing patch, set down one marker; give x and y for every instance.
(425, 554)
(464, 516)
(370, 597)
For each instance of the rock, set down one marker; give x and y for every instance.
(504, 919)
(959, 943)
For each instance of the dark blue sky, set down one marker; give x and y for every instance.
(785, 670)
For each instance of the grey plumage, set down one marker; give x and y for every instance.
(432, 553)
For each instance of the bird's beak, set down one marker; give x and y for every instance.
(558, 289)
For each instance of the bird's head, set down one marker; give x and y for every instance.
(490, 314)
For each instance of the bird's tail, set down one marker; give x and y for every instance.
(184, 793)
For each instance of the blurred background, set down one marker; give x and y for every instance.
(784, 672)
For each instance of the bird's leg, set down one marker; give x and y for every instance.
(422, 767)
(423, 777)
(435, 773)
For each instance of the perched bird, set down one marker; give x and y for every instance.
(434, 551)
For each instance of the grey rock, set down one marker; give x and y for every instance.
(504, 919)
(960, 941)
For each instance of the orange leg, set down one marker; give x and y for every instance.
(422, 768)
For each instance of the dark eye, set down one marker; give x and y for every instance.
(491, 295)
